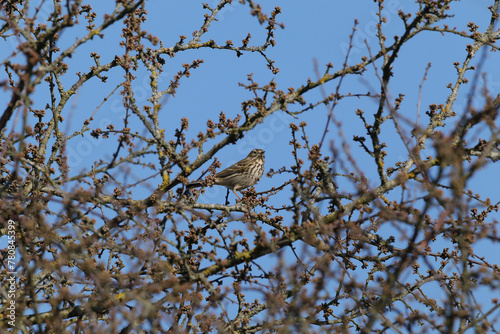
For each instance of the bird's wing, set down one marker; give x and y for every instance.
(231, 169)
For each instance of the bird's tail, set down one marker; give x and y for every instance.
(193, 184)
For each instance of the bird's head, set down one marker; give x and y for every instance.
(257, 154)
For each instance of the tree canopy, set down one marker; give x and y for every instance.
(377, 209)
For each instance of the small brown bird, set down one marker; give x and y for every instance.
(243, 174)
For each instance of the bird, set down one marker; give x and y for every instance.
(243, 174)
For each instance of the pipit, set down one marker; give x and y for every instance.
(243, 174)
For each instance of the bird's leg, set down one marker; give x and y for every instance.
(234, 191)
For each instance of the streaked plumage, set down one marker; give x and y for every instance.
(243, 174)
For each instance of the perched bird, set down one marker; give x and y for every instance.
(243, 174)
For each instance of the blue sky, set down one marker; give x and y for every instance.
(314, 33)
